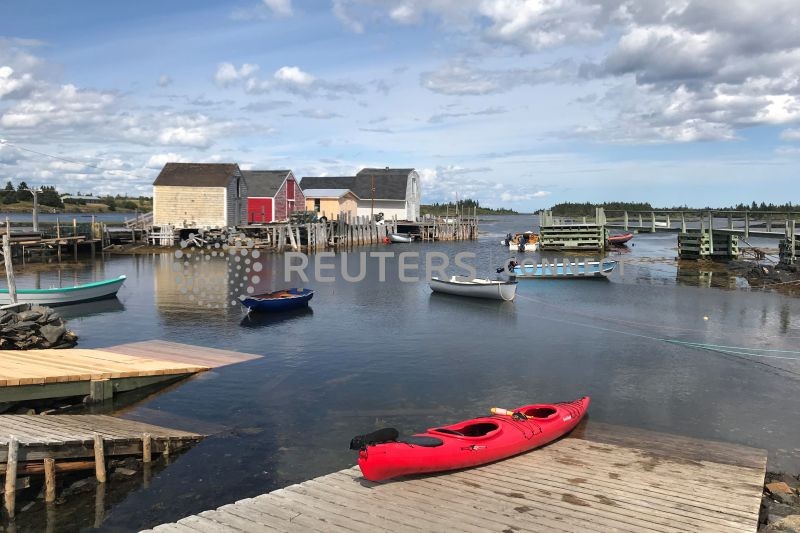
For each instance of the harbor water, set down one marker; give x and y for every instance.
(657, 346)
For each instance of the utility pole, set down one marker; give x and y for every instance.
(12, 283)
(35, 193)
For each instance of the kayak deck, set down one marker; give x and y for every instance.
(616, 479)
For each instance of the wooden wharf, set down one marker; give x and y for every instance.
(45, 444)
(100, 373)
(599, 478)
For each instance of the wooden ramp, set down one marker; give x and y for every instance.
(72, 436)
(183, 353)
(601, 478)
(38, 374)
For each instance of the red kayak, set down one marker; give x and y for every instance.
(383, 454)
(621, 238)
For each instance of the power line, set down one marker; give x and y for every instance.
(66, 160)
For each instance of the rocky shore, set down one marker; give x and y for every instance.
(36, 328)
(780, 504)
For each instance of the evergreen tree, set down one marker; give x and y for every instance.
(23, 195)
(10, 194)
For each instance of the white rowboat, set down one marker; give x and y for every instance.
(401, 237)
(87, 292)
(476, 288)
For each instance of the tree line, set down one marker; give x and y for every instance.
(466, 206)
(50, 197)
(588, 208)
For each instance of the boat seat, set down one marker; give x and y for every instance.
(427, 442)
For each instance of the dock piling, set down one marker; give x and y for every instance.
(11, 477)
(147, 447)
(99, 459)
(49, 479)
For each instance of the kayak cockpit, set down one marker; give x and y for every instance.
(478, 429)
(539, 412)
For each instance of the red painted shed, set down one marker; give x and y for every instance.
(272, 195)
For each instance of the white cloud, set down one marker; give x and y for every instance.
(11, 83)
(461, 78)
(341, 12)
(281, 8)
(157, 161)
(164, 81)
(791, 134)
(227, 74)
(293, 76)
(522, 197)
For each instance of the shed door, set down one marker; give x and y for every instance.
(259, 210)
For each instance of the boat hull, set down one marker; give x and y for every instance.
(276, 302)
(620, 239)
(399, 238)
(482, 440)
(488, 289)
(56, 296)
(577, 270)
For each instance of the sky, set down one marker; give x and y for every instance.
(515, 103)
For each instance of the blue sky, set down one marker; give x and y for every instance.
(520, 103)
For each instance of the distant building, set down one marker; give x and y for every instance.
(396, 191)
(272, 195)
(331, 202)
(199, 195)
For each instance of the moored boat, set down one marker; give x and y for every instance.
(569, 270)
(475, 288)
(620, 238)
(398, 238)
(54, 296)
(278, 301)
(527, 241)
(384, 454)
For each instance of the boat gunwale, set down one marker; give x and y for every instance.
(55, 290)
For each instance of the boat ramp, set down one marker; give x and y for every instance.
(599, 478)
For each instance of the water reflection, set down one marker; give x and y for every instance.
(265, 320)
(697, 276)
(89, 309)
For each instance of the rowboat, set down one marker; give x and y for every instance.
(588, 269)
(620, 238)
(401, 238)
(383, 454)
(277, 301)
(54, 296)
(522, 242)
(475, 288)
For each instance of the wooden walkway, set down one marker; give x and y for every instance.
(38, 374)
(601, 478)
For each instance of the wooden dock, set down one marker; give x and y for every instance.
(600, 478)
(38, 374)
(41, 444)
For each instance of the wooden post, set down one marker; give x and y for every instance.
(49, 479)
(683, 222)
(669, 224)
(641, 223)
(11, 477)
(730, 220)
(99, 504)
(711, 233)
(147, 448)
(12, 282)
(769, 223)
(747, 224)
(653, 220)
(74, 227)
(99, 459)
(626, 221)
(166, 448)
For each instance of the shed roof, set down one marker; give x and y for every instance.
(327, 193)
(390, 184)
(196, 174)
(264, 183)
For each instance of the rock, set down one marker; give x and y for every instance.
(29, 316)
(7, 317)
(790, 524)
(787, 499)
(53, 334)
(779, 487)
(25, 324)
(125, 471)
(82, 485)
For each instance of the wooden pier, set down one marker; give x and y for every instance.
(707, 244)
(39, 374)
(559, 235)
(600, 478)
(41, 444)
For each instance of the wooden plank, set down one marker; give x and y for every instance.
(182, 353)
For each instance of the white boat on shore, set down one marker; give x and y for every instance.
(475, 288)
(522, 242)
(54, 296)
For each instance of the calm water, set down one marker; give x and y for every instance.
(390, 353)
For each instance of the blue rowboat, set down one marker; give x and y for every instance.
(53, 296)
(278, 301)
(566, 270)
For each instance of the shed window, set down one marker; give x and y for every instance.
(317, 206)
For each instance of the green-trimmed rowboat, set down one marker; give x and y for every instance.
(87, 292)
